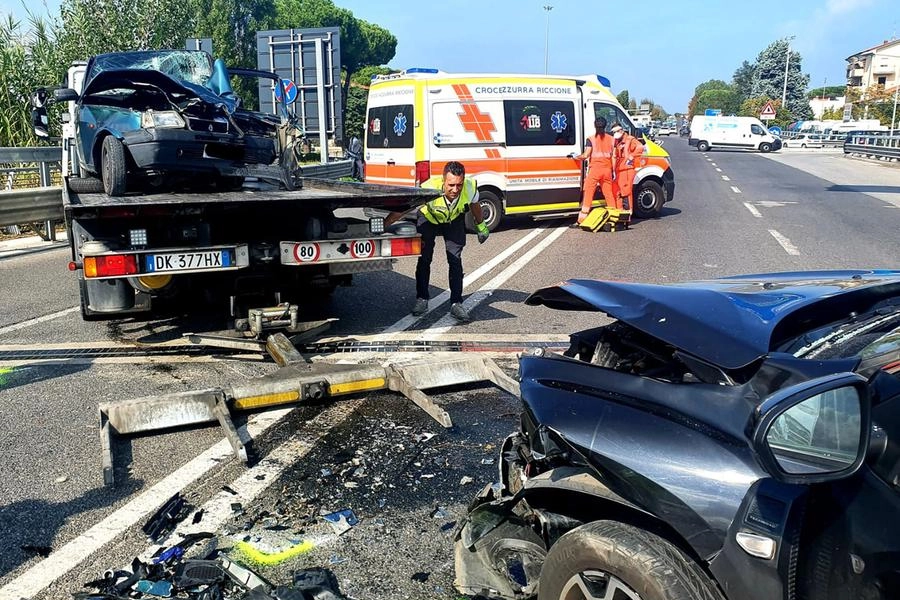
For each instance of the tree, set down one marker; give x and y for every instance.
(833, 114)
(623, 98)
(744, 80)
(770, 67)
(715, 94)
(832, 91)
(873, 102)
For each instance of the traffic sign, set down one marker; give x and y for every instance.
(713, 112)
(768, 112)
(290, 90)
(775, 130)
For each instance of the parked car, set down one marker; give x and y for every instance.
(139, 116)
(666, 130)
(804, 140)
(729, 439)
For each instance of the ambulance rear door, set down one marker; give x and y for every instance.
(390, 134)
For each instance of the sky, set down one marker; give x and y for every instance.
(655, 49)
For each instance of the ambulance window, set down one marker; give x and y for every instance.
(390, 126)
(613, 116)
(539, 123)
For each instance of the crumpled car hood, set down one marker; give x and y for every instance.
(141, 78)
(729, 322)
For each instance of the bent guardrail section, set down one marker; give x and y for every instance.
(880, 147)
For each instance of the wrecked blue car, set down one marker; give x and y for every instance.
(144, 118)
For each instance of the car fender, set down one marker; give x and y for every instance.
(648, 171)
(492, 179)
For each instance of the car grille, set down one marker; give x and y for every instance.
(208, 125)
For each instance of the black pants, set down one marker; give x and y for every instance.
(454, 234)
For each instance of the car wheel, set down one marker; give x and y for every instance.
(803, 145)
(112, 164)
(491, 210)
(606, 560)
(649, 198)
(765, 147)
(85, 185)
(702, 146)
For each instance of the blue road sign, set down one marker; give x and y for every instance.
(775, 130)
(713, 112)
(290, 90)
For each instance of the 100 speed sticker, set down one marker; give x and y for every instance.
(362, 249)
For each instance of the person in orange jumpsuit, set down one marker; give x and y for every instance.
(599, 149)
(627, 154)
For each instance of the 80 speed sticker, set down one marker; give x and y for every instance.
(362, 249)
(306, 252)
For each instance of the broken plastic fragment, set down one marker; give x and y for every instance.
(165, 518)
(341, 521)
(440, 513)
(466, 480)
(487, 461)
(351, 484)
(425, 436)
(326, 472)
(421, 577)
(337, 560)
(162, 589)
(62, 479)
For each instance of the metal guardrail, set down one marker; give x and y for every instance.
(27, 194)
(882, 147)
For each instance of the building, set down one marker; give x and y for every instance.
(820, 104)
(878, 65)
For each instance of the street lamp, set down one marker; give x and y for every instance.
(548, 8)
(787, 61)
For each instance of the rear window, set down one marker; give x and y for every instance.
(539, 123)
(390, 126)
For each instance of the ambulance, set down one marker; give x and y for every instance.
(518, 135)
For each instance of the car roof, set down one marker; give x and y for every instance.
(733, 321)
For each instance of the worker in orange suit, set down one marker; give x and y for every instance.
(627, 153)
(599, 149)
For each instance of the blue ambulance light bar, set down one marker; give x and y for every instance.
(604, 81)
(404, 73)
(421, 70)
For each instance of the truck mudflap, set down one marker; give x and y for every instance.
(296, 381)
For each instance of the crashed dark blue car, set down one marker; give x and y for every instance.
(141, 116)
(729, 439)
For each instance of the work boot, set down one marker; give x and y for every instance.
(458, 312)
(420, 307)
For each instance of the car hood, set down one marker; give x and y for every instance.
(178, 91)
(733, 321)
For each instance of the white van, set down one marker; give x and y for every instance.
(517, 134)
(731, 132)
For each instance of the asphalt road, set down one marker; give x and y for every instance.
(734, 212)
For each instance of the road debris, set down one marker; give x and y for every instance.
(466, 480)
(164, 520)
(341, 521)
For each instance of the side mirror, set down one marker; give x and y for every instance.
(65, 95)
(40, 122)
(816, 431)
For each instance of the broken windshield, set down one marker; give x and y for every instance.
(184, 65)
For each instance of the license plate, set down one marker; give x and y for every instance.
(188, 261)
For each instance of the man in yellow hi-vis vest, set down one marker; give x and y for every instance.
(445, 216)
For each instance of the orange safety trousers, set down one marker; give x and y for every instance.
(598, 174)
(624, 188)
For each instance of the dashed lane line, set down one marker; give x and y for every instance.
(718, 170)
(63, 560)
(479, 296)
(753, 210)
(785, 243)
(726, 178)
(735, 189)
(37, 320)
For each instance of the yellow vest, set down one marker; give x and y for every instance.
(438, 211)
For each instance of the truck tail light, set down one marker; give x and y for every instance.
(406, 247)
(423, 171)
(110, 265)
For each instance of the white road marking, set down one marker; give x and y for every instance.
(785, 243)
(477, 297)
(37, 320)
(407, 321)
(63, 560)
(725, 178)
(718, 169)
(713, 164)
(773, 204)
(753, 210)
(735, 189)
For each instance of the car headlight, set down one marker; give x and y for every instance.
(161, 119)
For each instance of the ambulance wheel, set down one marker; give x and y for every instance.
(649, 198)
(491, 210)
(765, 147)
(702, 146)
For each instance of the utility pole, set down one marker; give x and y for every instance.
(548, 8)
(787, 62)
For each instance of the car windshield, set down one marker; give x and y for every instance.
(185, 65)
(869, 337)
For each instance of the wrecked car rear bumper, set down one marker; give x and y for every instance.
(184, 150)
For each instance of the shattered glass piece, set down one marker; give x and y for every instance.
(341, 521)
(161, 589)
(466, 480)
(327, 472)
(487, 461)
(425, 436)
(382, 502)
(440, 513)
(337, 560)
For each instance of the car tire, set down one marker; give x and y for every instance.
(702, 146)
(765, 147)
(803, 145)
(85, 185)
(491, 209)
(607, 559)
(649, 198)
(112, 166)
